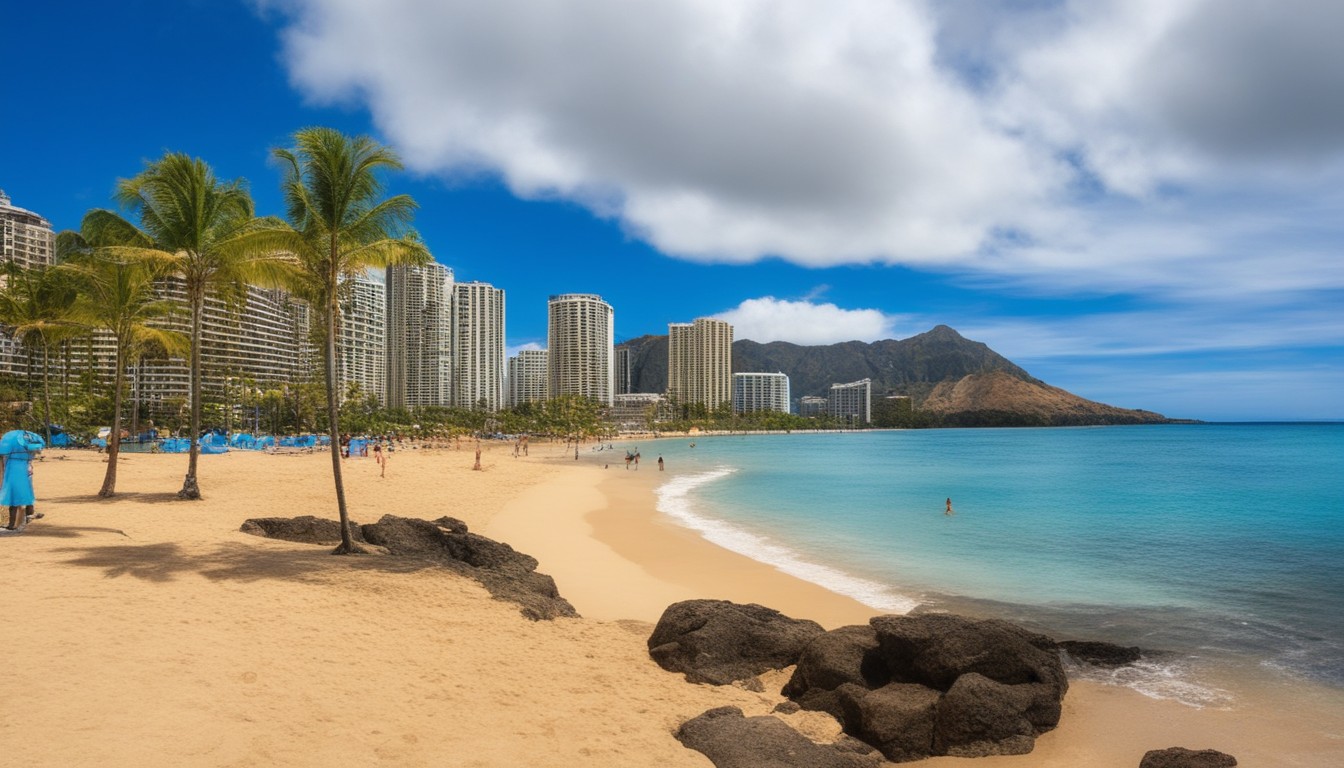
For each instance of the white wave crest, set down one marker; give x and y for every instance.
(675, 502)
(1169, 679)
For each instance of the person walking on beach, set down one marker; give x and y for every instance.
(380, 458)
(660, 463)
(17, 449)
(949, 507)
(636, 460)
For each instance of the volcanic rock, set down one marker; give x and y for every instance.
(730, 740)
(1180, 757)
(719, 642)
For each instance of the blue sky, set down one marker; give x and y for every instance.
(1137, 201)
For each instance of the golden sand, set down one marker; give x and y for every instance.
(150, 631)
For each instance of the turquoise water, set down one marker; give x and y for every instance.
(1215, 545)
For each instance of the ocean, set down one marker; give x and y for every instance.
(1217, 548)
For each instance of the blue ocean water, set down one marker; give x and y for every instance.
(1214, 545)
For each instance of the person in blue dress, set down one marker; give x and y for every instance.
(17, 448)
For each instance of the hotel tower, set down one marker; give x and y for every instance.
(580, 341)
(700, 362)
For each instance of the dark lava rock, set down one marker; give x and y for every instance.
(1180, 757)
(934, 684)
(305, 530)
(979, 717)
(1101, 654)
(446, 542)
(730, 740)
(897, 718)
(719, 642)
(829, 660)
(935, 649)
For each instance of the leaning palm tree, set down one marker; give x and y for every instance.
(201, 222)
(35, 308)
(114, 272)
(339, 225)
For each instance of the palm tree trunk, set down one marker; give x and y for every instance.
(46, 390)
(190, 489)
(347, 546)
(114, 439)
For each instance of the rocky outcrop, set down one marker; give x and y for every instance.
(1100, 654)
(719, 642)
(1180, 757)
(934, 684)
(305, 530)
(507, 574)
(730, 740)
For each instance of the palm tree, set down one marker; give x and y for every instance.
(202, 223)
(35, 305)
(338, 226)
(114, 277)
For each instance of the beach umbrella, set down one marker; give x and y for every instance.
(18, 441)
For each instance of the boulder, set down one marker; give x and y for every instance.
(979, 717)
(935, 649)
(446, 542)
(731, 740)
(1180, 757)
(1100, 654)
(897, 718)
(934, 684)
(829, 660)
(719, 642)
(305, 530)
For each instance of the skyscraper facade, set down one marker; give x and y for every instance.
(529, 377)
(700, 362)
(580, 339)
(478, 346)
(623, 371)
(26, 240)
(362, 336)
(419, 335)
(852, 402)
(760, 392)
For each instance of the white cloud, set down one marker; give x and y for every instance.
(529, 345)
(1094, 145)
(807, 322)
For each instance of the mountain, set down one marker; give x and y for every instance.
(959, 381)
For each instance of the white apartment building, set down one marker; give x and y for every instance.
(26, 239)
(580, 339)
(262, 343)
(529, 377)
(362, 338)
(852, 402)
(478, 346)
(754, 392)
(700, 362)
(419, 335)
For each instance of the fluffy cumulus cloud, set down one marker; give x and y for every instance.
(1069, 142)
(807, 322)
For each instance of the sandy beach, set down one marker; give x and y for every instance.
(149, 631)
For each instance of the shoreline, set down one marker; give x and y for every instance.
(614, 555)
(156, 628)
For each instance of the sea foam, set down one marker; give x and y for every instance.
(674, 500)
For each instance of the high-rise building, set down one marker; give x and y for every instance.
(760, 392)
(362, 338)
(700, 362)
(852, 402)
(623, 371)
(260, 344)
(811, 405)
(478, 346)
(26, 239)
(529, 377)
(419, 335)
(580, 336)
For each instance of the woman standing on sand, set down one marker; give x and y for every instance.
(17, 449)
